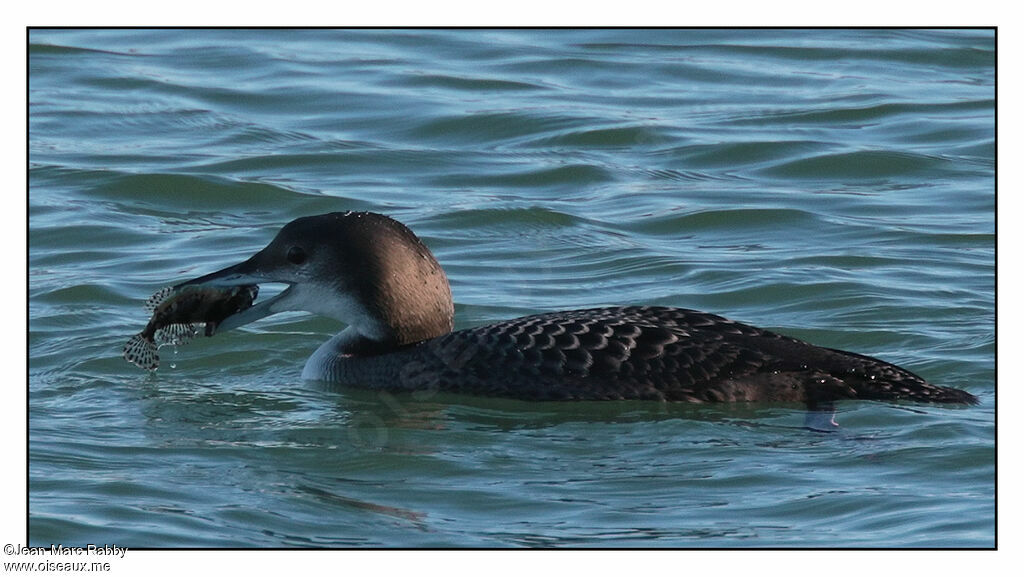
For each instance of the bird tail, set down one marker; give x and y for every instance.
(878, 380)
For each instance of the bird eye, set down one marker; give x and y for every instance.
(296, 255)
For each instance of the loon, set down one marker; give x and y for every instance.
(375, 275)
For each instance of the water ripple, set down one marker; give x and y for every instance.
(831, 185)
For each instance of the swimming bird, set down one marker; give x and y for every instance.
(375, 275)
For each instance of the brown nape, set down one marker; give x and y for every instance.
(410, 291)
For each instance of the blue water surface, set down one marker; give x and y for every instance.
(833, 185)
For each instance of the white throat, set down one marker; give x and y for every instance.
(318, 365)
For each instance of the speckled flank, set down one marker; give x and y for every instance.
(655, 353)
